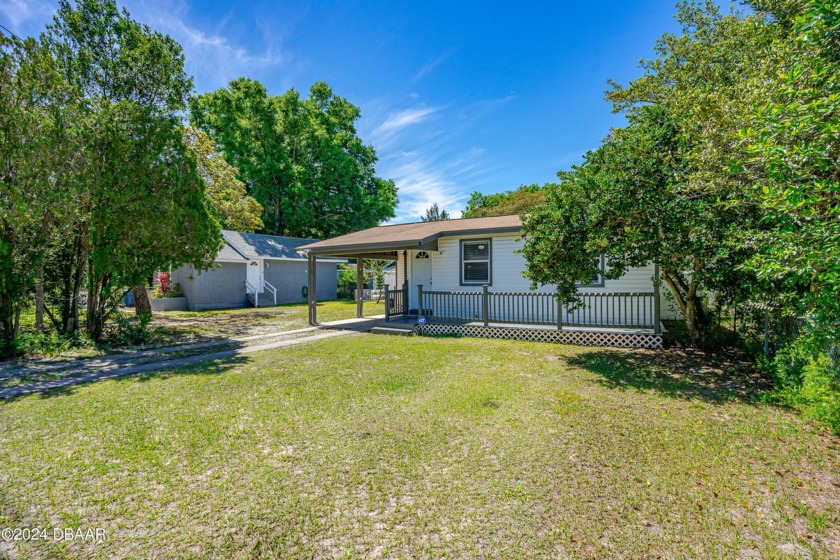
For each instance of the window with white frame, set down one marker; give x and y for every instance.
(598, 282)
(475, 262)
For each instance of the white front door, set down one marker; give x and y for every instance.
(421, 274)
(255, 274)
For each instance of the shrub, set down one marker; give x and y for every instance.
(47, 343)
(807, 377)
(35, 343)
(165, 288)
(131, 331)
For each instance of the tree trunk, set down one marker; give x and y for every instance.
(76, 271)
(142, 304)
(7, 323)
(691, 306)
(39, 297)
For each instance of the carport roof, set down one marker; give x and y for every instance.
(410, 236)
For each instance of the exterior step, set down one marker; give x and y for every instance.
(392, 331)
(263, 299)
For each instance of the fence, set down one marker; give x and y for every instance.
(396, 301)
(610, 309)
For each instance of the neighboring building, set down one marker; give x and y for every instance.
(390, 271)
(257, 270)
(469, 273)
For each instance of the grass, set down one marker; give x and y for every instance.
(366, 446)
(186, 327)
(179, 327)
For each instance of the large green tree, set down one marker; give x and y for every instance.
(142, 204)
(628, 202)
(302, 159)
(669, 187)
(36, 159)
(793, 159)
(227, 196)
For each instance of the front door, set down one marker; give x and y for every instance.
(255, 274)
(421, 274)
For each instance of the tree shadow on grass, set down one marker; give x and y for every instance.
(197, 366)
(214, 366)
(676, 373)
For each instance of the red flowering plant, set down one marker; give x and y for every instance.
(164, 283)
(165, 287)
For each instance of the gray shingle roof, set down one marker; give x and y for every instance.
(259, 246)
(227, 253)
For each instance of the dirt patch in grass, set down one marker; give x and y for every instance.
(372, 446)
(186, 326)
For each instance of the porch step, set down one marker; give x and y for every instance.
(393, 331)
(263, 299)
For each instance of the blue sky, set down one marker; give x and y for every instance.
(456, 97)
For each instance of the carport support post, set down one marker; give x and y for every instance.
(657, 326)
(387, 303)
(360, 287)
(312, 285)
(419, 300)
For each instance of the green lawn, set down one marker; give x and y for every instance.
(364, 446)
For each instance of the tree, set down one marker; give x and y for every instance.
(668, 188)
(517, 201)
(34, 142)
(142, 204)
(374, 270)
(228, 197)
(301, 158)
(793, 149)
(377, 274)
(435, 214)
(627, 202)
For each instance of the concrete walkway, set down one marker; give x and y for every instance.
(107, 367)
(142, 355)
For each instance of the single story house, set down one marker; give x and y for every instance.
(466, 276)
(257, 270)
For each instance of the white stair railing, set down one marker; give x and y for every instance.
(271, 289)
(251, 289)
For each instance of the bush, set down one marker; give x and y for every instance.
(174, 290)
(47, 343)
(807, 377)
(131, 331)
(165, 288)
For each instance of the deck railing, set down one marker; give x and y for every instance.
(396, 301)
(602, 309)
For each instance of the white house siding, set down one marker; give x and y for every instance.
(400, 270)
(507, 266)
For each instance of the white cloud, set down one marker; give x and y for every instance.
(212, 56)
(401, 119)
(421, 148)
(23, 17)
(420, 74)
